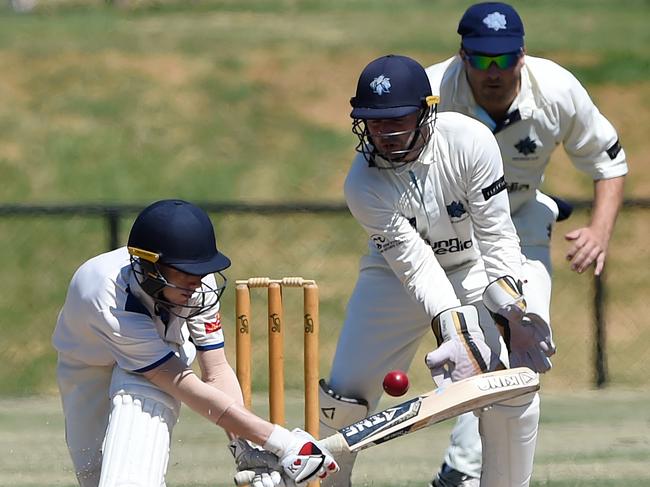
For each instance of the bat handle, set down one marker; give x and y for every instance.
(336, 444)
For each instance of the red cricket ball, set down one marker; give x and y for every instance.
(396, 383)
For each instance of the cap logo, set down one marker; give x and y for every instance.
(495, 21)
(380, 85)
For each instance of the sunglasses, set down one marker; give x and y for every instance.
(503, 61)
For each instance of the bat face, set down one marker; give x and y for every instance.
(357, 432)
(438, 405)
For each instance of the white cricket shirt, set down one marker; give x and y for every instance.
(449, 205)
(108, 319)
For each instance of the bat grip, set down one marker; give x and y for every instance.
(335, 444)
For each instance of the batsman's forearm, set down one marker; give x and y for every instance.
(180, 382)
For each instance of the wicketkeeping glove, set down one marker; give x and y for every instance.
(301, 456)
(528, 337)
(255, 466)
(462, 351)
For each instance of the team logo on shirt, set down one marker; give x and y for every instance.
(495, 21)
(212, 326)
(455, 209)
(526, 146)
(380, 85)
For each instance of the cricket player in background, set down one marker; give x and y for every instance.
(132, 323)
(429, 190)
(531, 105)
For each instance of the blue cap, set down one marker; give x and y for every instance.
(491, 28)
(182, 236)
(390, 87)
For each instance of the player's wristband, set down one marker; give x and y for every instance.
(279, 441)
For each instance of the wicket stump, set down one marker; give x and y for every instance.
(276, 345)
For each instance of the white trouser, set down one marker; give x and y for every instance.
(533, 221)
(86, 407)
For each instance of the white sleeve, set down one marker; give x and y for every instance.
(590, 141)
(372, 204)
(205, 328)
(490, 209)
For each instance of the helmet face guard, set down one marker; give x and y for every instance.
(148, 273)
(418, 137)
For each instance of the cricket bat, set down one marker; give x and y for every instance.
(445, 402)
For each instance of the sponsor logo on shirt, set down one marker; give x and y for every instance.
(613, 151)
(212, 326)
(383, 244)
(494, 188)
(451, 245)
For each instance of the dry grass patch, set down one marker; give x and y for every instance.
(319, 90)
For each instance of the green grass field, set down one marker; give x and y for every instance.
(586, 440)
(223, 100)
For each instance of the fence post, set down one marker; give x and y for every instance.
(113, 221)
(600, 335)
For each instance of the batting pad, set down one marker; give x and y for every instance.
(136, 445)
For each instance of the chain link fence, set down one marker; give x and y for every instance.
(41, 247)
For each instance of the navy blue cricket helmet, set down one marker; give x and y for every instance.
(180, 235)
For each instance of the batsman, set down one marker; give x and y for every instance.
(443, 254)
(133, 321)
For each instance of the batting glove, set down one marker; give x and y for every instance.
(462, 351)
(302, 458)
(255, 466)
(531, 344)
